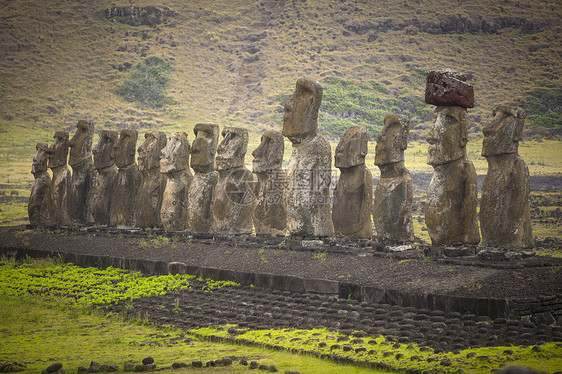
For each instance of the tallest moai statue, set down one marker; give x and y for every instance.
(450, 213)
(309, 172)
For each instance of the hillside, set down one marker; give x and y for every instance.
(235, 62)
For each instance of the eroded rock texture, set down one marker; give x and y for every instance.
(60, 183)
(351, 214)
(83, 172)
(201, 191)
(104, 163)
(309, 170)
(270, 215)
(174, 165)
(392, 207)
(450, 212)
(153, 183)
(123, 206)
(234, 202)
(447, 87)
(39, 205)
(505, 218)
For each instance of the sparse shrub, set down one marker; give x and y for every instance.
(146, 82)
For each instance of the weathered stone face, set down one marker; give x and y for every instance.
(351, 213)
(270, 215)
(124, 149)
(175, 155)
(174, 165)
(153, 183)
(103, 151)
(448, 136)
(450, 212)
(392, 140)
(392, 206)
(503, 133)
(151, 150)
(505, 218)
(300, 120)
(232, 149)
(309, 174)
(269, 154)
(352, 148)
(81, 143)
(127, 182)
(39, 205)
(204, 147)
(447, 87)
(58, 151)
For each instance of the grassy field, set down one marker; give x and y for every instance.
(41, 329)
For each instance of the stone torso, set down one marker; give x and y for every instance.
(102, 195)
(60, 186)
(40, 199)
(149, 201)
(504, 209)
(234, 202)
(270, 215)
(126, 185)
(392, 209)
(308, 189)
(82, 182)
(450, 213)
(351, 214)
(200, 200)
(174, 201)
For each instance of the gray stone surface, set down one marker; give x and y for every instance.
(446, 87)
(505, 217)
(153, 183)
(450, 212)
(122, 213)
(39, 205)
(60, 183)
(234, 201)
(270, 215)
(83, 172)
(102, 192)
(394, 194)
(309, 171)
(202, 189)
(353, 195)
(174, 165)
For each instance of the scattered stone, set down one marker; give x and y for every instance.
(270, 214)
(179, 365)
(517, 370)
(446, 87)
(505, 216)
(351, 212)
(113, 368)
(147, 360)
(94, 367)
(254, 365)
(226, 361)
(54, 367)
(104, 367)
(129, 367)
(273, 369)
(140, 368)
(508, 352)
(243, 361)
(536, 348)
(82, 370)
(197, 364)
(264, 367)
(309, 169)
(211, 363)
(392, 207)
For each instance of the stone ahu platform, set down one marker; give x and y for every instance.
(527, 288)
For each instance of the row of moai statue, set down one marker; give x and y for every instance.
(222, 198)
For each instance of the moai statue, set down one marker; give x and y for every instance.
(60, 184)
(270, 215)
(234, 201)
(104, 163)
(153, 183)
(174, 165)
(450, 212)
(201, 191)
(392, 207)
(39, 205)
(83, 172)
(353, 195)
(309, 172)
(505, 217)
(122, 213)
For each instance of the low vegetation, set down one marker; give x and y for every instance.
(146, 82)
